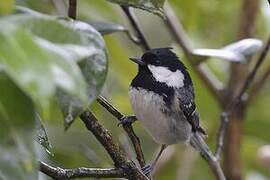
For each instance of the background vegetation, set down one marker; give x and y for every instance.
(209, 24)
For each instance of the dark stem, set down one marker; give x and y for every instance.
(127, 127)
(177, 30)
(221, 135)
(105, 138)
(72, 9)
(133, 21)
(81, 172)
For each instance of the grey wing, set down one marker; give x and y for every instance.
(188, 107)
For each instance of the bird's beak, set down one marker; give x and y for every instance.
(137, 61)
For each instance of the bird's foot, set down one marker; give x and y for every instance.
(127, 120)
(147, 169)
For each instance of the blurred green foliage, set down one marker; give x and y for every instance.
(209, 24)
(6, 6)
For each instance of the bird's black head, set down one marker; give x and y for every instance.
(163, 57)
(161, 72)
(161, 65)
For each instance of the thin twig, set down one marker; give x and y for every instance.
(133, 38)
(133, 20)
(177, 30)
(239, 99)
(105, 138)
(127, 127)
(258, 85)
(221, 135)
(206, 75)
(198, 143)
(81, 172)
(72, 9)
(251, 75)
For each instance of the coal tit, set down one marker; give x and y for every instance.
(162, 98)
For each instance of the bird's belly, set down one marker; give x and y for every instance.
(164, 128)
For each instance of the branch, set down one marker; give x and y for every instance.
(212, 83)
(221, 134)
(72, 9)
(239, 99)
(133, 21)
(259, 84)
(81, 172)
(127, 127)
(105, 138)
(177, 30)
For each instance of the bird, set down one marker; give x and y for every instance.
(163, 100)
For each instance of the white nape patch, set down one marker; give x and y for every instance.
(163, 74)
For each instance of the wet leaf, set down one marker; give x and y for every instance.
(93, 65)
(87, 48)
(29, 55)
(219, 53)
(240, 51)
(25, 10)
(246, 47)
(107, 27)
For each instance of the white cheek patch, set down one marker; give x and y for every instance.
(164, 75)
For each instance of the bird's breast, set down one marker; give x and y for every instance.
(164, 126)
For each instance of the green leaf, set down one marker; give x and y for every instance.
(218, 53)
(246, 47)
(240, 51)
(16, 141)
(29, 55)
(14, 105)
(107, 27)
(93, 65)
(86, 47)
(153, 6)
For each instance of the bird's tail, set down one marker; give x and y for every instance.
(197, 142)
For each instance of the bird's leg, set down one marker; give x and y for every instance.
(127, 120)
(149, 168)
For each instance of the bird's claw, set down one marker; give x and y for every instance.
(127, 120)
